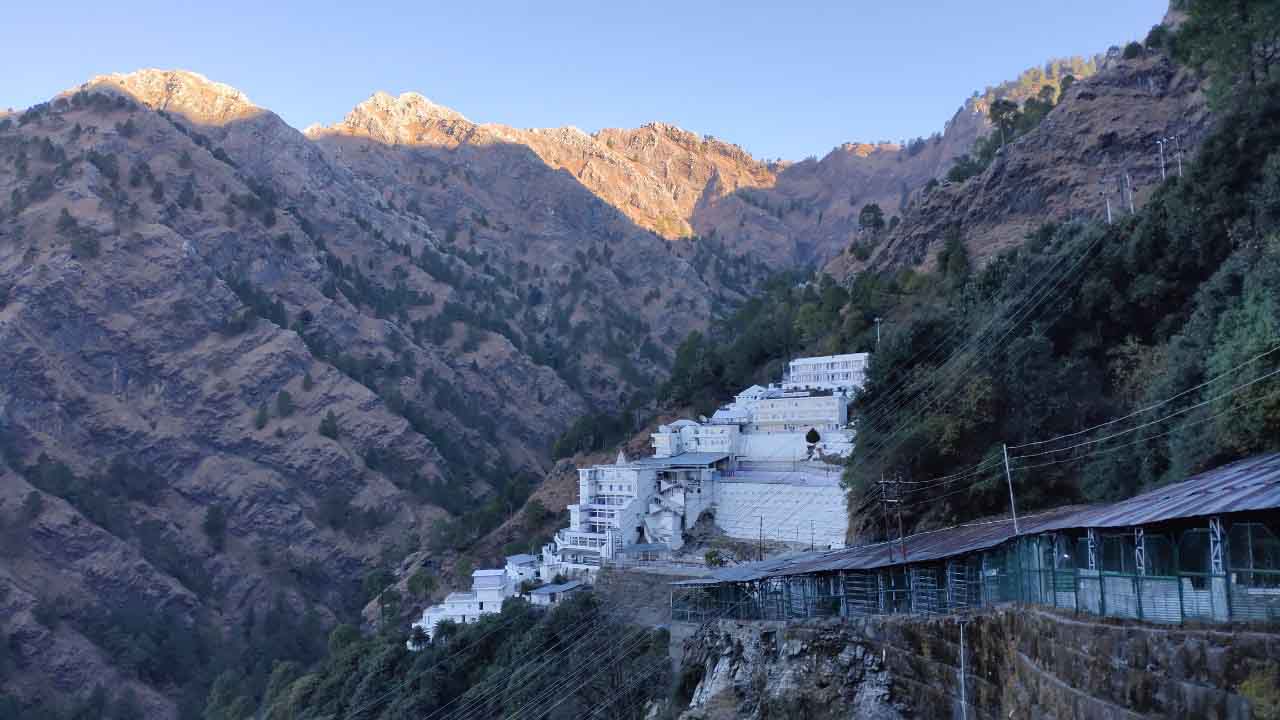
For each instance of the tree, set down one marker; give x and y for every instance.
(953, 261)
(463, 568)
(1132, 50)
(329, 426)
(260, 420)
(1004, 115)
(187, 195)
(307, 382)
(713, 558)
(871, 218)
(342, 637)
(284, 404)
(1065, 84)
(215, 526)
(421, 584)
(812, 437)
(66, 223)
(1236, 41)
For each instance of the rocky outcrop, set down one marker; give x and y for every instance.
(1098, 142)
(1024, 661)
(772, 670)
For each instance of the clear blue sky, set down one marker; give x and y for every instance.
(783, 79)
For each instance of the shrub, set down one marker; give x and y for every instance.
(284, 404)
(1132, 50)
(215, 526)
(260, 420)
(1158, 37)
(329, 426)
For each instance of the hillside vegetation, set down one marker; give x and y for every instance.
(1172, 308)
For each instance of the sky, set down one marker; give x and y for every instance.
(782, 79)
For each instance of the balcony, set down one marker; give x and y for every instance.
(581, 540)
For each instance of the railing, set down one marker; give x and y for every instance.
(1241, 596)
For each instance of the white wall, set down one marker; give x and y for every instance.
(787, 510)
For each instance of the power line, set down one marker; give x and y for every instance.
(1153, 406)
(404, 683)
(1184, 426)
(1185, 410)
(946, 375)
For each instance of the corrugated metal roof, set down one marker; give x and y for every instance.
(1247, 485)
(562, 587)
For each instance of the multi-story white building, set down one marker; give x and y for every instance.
(751, 462)
(829, 372)
(802, 410)
(489, 589)
(628, 502)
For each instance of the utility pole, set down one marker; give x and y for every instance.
(964, 711)
(1177, 143)
(884, 507)
(811, 535)
(897, 495)
(877, 333)
(1128, 181)
(1008, 476)
(1161, 143)
(760, 545)
(1102, 190)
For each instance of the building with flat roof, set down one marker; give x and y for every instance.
(830, 372)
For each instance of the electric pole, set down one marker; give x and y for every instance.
(1128, 181)
(878, 333)
(1177, 143)
(1008, 476)
(1160, 143)
(760, 545)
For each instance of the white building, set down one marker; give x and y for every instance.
(648, 500)
(802, 410)
(829, 372)
(489, 589)
(522, 568)
(750, 463)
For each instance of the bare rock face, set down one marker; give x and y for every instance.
(662, 178)
(758, 670)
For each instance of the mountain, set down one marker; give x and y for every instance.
(249, 370)
(241, 370)
(1095, 144)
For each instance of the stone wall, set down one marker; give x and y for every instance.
(1018, 662)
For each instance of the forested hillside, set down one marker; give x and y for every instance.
(524, 662)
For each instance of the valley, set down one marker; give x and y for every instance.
(267, 395)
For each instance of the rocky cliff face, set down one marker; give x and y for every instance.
(1019, 662)
(1098, 142)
